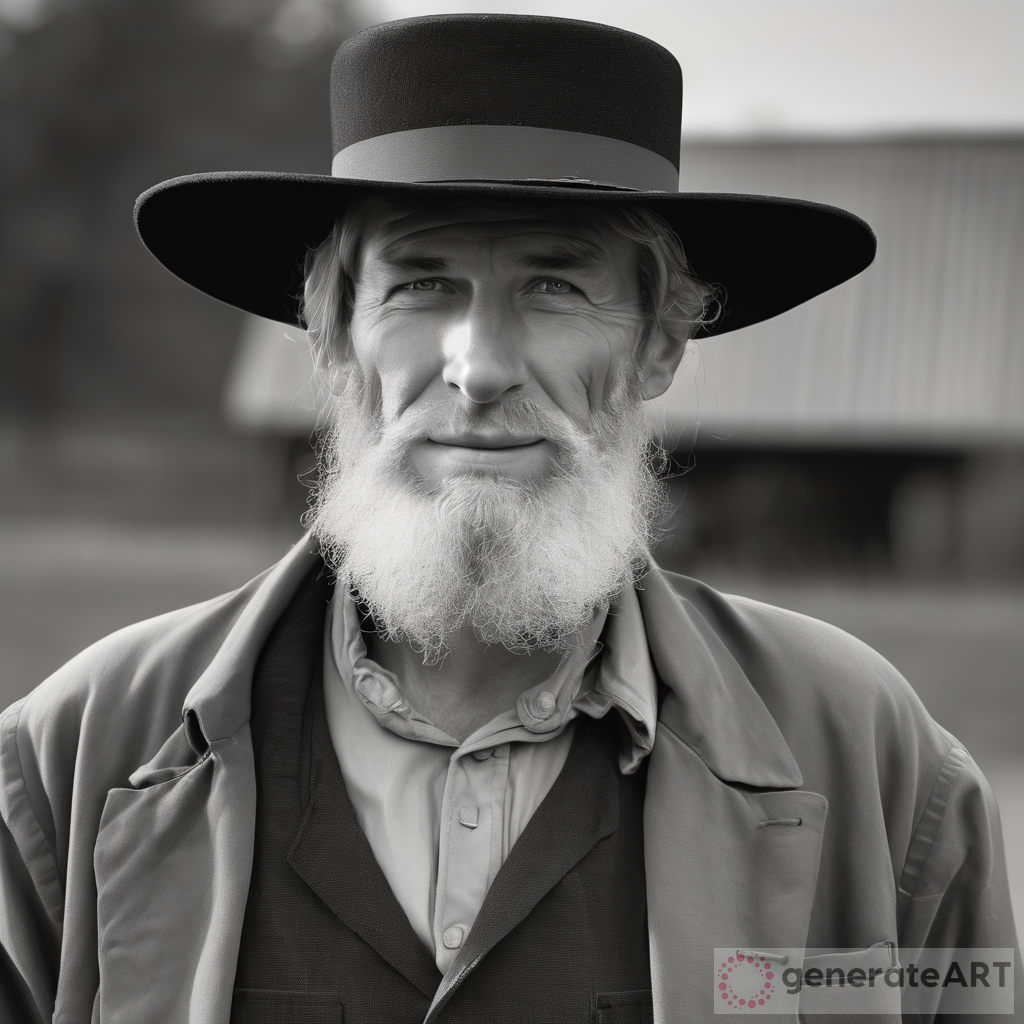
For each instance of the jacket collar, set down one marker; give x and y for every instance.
(712, 705)
(696, 640)
(219, 703)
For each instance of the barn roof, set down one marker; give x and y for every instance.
(926, 345)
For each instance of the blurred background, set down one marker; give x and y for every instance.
(860, 459)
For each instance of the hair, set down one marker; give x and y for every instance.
(672, 297)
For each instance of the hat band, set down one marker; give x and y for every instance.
(499, 152)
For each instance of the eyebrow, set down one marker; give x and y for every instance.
(570, 254)
(395, 257)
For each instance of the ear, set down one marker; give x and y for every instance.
(658, 361)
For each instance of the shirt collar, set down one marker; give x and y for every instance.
(614, 671)
(626, 678)
(699, 642)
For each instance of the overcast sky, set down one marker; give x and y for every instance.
(812, 66)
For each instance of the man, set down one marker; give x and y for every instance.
(465, 754)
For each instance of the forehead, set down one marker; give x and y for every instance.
(574, 233)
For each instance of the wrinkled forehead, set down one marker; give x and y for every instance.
(394, 224)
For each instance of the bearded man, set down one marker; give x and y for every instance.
(466, 754)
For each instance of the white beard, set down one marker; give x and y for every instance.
(525, 565)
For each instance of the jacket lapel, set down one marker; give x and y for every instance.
(172, 865)
(727, 867)
(173, 854)
(731, 844)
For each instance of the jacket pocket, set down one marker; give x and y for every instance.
(635, 1007)
(284, 1006)
(838, 987)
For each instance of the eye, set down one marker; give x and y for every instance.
(428, 284)
(553, 286)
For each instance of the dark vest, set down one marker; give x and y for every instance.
(561, 936)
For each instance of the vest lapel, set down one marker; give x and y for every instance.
(581, 808)
(333, 857)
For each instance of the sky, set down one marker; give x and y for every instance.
(810, 67)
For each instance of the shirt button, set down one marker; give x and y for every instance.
(452, 937)
(482, 755)
(545, 703)
(468, 817)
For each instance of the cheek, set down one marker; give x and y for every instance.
(624, 373)
(590, 370)
(401, 364)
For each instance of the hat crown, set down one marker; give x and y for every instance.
(510, 70)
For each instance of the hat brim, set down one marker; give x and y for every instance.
(242, 236)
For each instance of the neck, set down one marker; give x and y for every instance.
(469, 686)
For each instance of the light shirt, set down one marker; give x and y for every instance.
(440, 816)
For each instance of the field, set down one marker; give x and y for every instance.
(961, 647)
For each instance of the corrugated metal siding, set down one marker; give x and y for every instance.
(926, 344)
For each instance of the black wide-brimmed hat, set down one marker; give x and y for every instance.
(498, 107)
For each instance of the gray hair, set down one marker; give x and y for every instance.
(672, 297)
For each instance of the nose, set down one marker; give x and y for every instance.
(483, 353)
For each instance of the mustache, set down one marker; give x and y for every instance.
(514, 415)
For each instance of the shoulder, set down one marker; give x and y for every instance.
(126, 692)
(140, 662)
(118, 706)
(776, 645)
(85, 729)
(831, 695)
(110, 709)
(116, 702)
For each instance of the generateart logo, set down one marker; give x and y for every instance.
(878, 979)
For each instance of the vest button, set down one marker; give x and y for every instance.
(452, 937)
(482, 755)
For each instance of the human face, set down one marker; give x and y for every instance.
(460, 310)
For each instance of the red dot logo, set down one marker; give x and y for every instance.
(745, 981)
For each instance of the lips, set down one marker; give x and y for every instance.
(450, 454)
(488, 442)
